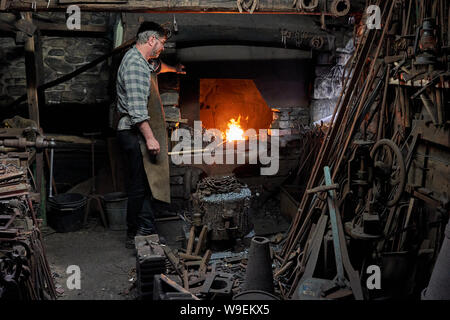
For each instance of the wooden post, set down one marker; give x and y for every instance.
(34, 68)
(32, 76)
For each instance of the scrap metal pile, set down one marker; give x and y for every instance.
(222, 204)
(378, 192)
(24, 270)
(167, 274)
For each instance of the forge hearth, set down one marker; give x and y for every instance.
(223, 205)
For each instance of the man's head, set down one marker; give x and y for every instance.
(151, 37)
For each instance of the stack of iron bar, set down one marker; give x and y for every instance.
(24, 270)
(13, 180)
(150, 261)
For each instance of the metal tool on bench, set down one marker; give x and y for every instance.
(311, 288)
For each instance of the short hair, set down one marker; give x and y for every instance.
(148, 29)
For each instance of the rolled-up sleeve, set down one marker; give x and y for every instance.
(137, 88)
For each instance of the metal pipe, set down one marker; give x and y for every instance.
(51, 170)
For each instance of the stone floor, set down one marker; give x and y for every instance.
(107, 268)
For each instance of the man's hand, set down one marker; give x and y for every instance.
(152, 146)
(180, 69)
(150, 141)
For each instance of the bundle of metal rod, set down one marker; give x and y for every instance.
(340, 115)
(372, 141)
(24, 271)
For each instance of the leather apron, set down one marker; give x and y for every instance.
(157, 167)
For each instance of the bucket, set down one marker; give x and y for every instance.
(65, 211)
(116, 210)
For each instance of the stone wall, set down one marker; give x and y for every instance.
(12, 71)
(61, 55)
(328, 82)
(64, 55)
(290, 119)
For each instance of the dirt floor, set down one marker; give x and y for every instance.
(107, 268)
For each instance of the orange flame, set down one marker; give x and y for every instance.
(234, 131)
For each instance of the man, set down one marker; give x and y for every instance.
(140, 110)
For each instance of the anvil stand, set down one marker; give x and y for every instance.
(92, 195)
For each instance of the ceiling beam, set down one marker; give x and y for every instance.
(171, 6)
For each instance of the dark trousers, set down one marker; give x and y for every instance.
(140, 211)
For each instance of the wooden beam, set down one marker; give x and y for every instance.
(200, 6)
(92, 1)
(46, 26)
(34, 68)
(32, 76)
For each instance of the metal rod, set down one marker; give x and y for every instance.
(334, 228)
(51, 170)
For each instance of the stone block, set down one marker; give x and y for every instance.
(71, 96)
(176, 180)
(172, 112)
(16, 90)
(73, 60)
(50, 42)
(91, 57)
(53, 97)
(170, 98)
(87, 78)
(321, 71)
(284, 124)
(56, 52)
(20, 81)
(58, 65)
(322, 108)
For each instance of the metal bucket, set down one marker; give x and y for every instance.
(116, 210)
(65, 211)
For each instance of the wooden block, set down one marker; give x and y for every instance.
(201, 240)
(175, 286)
(191, 240)
(189, 256)
(204, 263)
(185, 279)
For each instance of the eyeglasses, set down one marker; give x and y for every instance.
(162, 42)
